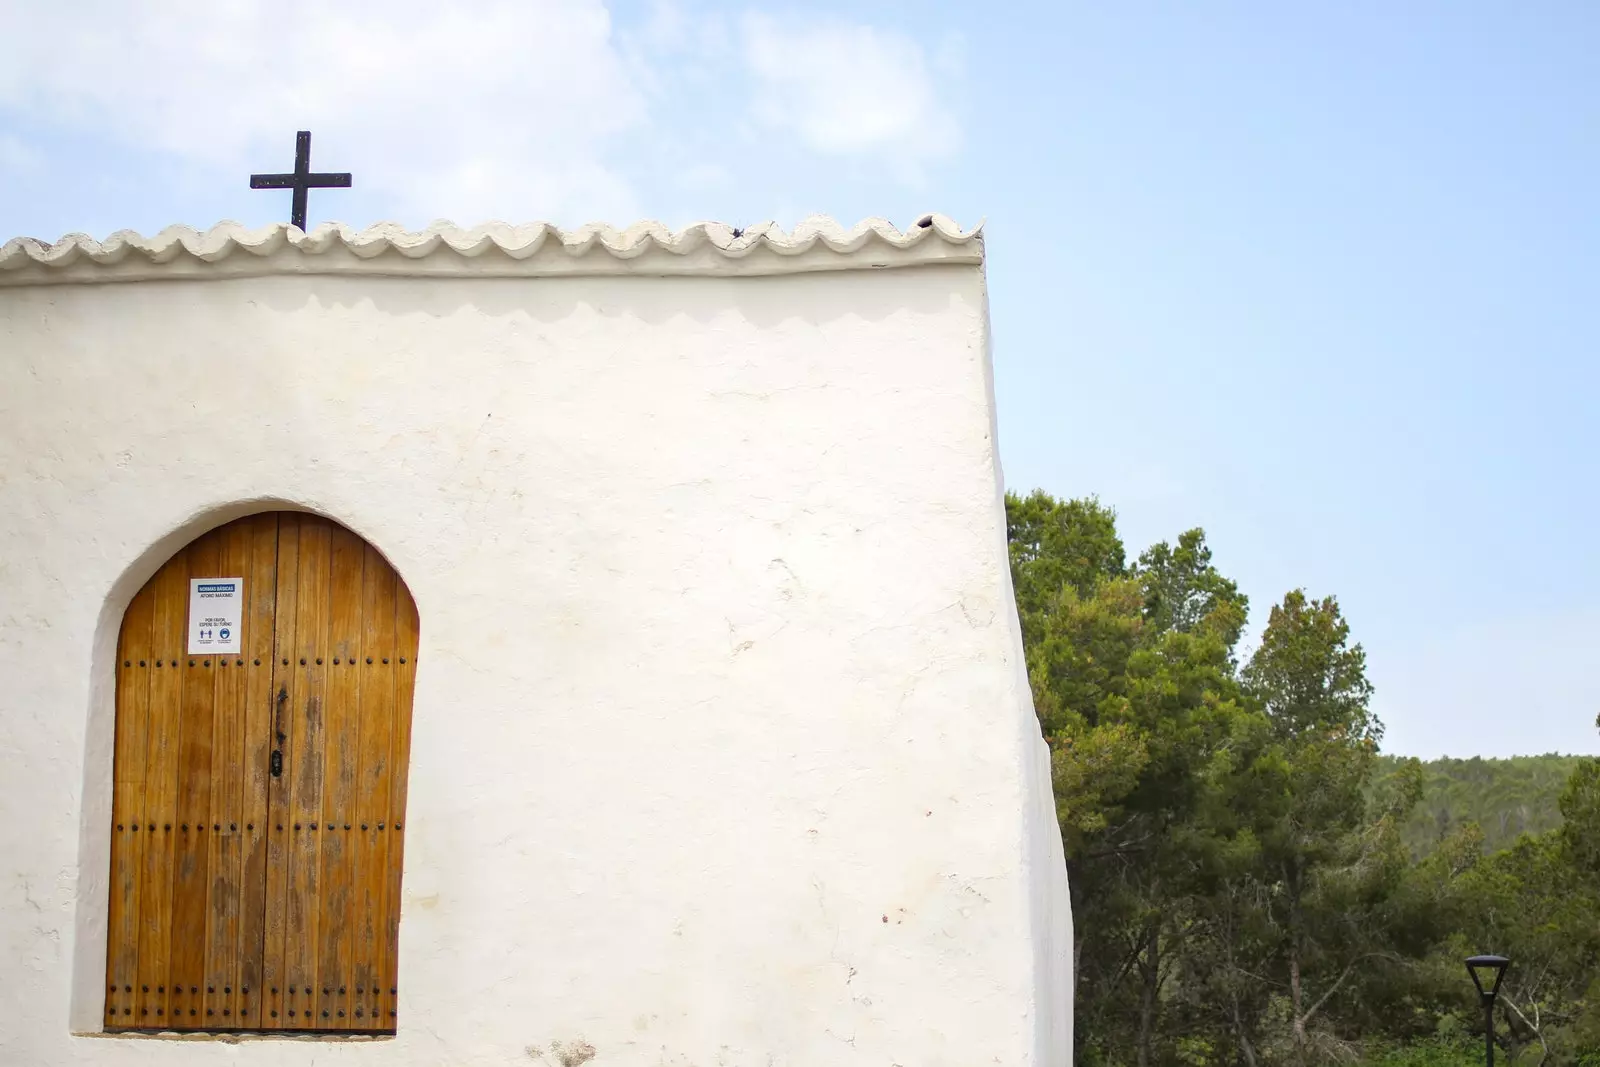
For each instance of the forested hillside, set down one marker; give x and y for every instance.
(1253, 884)
(1504, 797)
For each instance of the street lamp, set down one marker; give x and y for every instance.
(1487, 969)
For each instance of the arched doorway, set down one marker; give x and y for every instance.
(263, 726)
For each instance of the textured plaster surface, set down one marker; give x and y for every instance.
(723, 746)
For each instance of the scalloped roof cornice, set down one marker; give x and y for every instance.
(229, 250)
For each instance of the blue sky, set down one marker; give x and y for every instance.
(1322, 279)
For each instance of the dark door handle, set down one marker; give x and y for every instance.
(276, 763)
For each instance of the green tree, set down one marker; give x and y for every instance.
(1310, 681)
(1183, 591)
(1252, 883)
(1532, 903)
(1580, 813)
(1135, 684)
(1059, 544)
(1506, 798)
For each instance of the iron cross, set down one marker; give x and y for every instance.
(301, 180)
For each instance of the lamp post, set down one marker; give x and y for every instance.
(1490, 969)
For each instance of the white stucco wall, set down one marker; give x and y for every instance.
(723, 749)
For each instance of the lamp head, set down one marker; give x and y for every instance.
(1487, 969)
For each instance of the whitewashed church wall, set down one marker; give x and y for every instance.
(723, 752)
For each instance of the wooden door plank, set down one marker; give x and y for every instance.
(406, 642)
(342, 736)
(221, 890)
(192, 810)
(225, 836)
(161, 781)
(302, 928)
(128, 778)
(253, 747)
(280, 819)
(373, 790)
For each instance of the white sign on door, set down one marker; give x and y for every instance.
(216, 608)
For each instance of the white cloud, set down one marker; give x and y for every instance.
(472, 110)
(667, 28)
(846, 89)
(480, 109)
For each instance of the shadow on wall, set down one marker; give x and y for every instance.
(763, 301)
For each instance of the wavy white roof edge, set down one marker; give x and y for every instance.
(229, 249)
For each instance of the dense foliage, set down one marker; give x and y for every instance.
(1506, 798)
(1252, 882)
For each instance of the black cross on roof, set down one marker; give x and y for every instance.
(301, 180)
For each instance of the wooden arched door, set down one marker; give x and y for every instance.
(262, 741)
